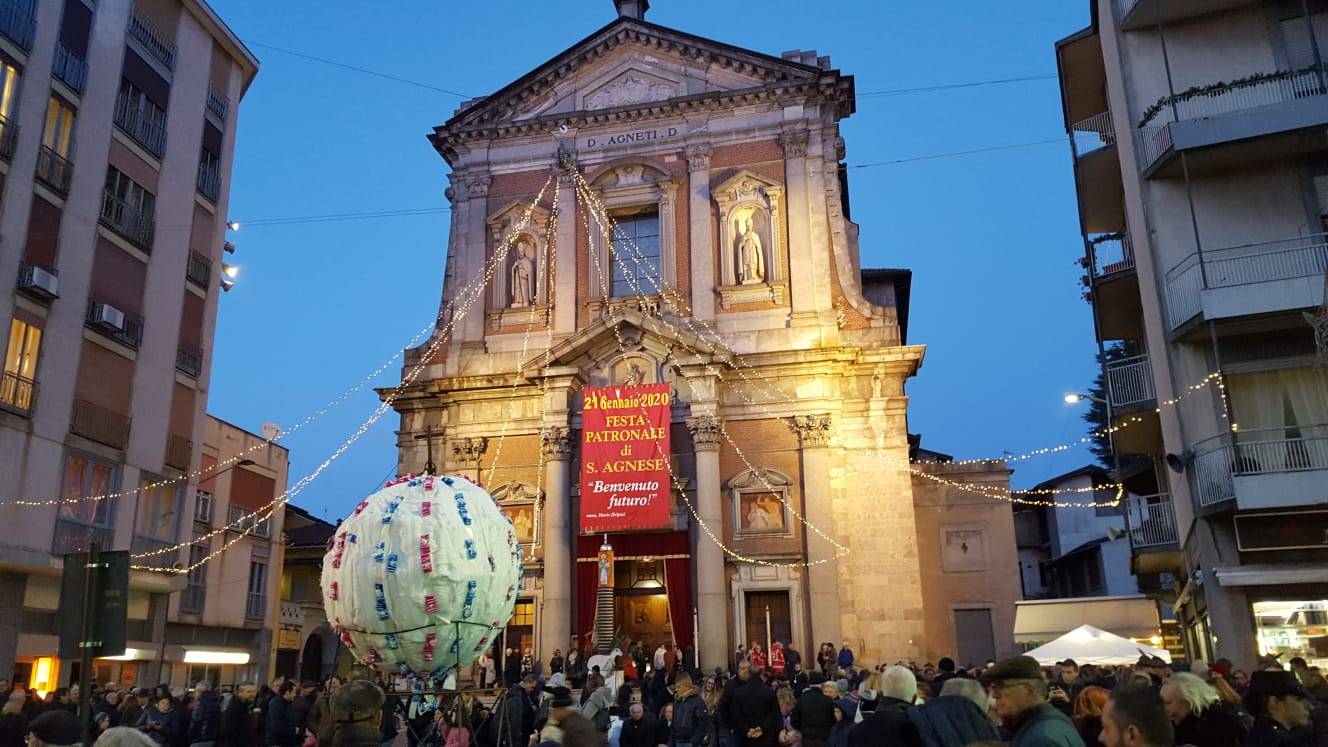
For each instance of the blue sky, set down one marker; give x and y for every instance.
(991, 238)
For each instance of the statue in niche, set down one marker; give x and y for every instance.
(635, 375)
(523, 275)
(751, 256)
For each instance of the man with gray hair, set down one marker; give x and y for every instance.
(205, 723)
(1020, 694)
(889, 723)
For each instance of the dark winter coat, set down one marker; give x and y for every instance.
(205, 723)
(691, 721)
(281, 729)
(236, 730)
(14, 730)
(813, 715)
(637, 733)
(302, 706)
(1219, 726)
(754, 705)
(1045, 726)
(888, 724)
(513, 723)
(165, 728)
(1269, 733)
(951, 721)
(578, 732)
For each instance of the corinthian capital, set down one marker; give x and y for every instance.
(466, 452)
(814, 431)
(706, 432)
(698, 156)
(794, 143)
(556, 442)
(477, 185)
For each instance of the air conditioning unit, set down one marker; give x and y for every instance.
(39, 282)
(106, 315)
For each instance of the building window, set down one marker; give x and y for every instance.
(203, 507)
(9, 80)
(130, 193)
(523, 614)
(195, 591)
(158, 509)
(1291, 628)
(636, 266)
(19, 381)
(59, 133)
(80, 523)
(257, 603)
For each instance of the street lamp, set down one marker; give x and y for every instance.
(1074, 398)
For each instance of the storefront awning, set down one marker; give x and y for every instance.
(1262, 574)
(1040, 621)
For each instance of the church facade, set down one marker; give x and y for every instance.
(731, 274)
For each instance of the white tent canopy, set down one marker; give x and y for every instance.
(1088, 645)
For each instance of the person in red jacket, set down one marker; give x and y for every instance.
(777, 660)
(756, 656)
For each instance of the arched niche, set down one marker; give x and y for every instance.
(752, 264)
(519, 286)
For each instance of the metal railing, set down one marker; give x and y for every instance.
(1152, 520)
(8, 138)
(179, 452)
(1130, 381)
(1092, 134)
(255, 606)
(161, 560)
(54, 170)
(153, 39)
(217, 102)
(130, 334)
(17, 393)
(189, 360)
(75, 536)
(209, 180)
(1268, 261)
(1259, 451)
(143, 125)
(128, 221)
(100, 424)
(17, 23)
(1153, 142)
(199, 270)
(69, 68)
(1111, 253)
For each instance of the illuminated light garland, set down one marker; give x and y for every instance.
(602, 218)
(840, 550)
(460, 309)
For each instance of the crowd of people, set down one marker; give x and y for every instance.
(767, 699)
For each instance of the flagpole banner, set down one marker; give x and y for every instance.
(624, 444)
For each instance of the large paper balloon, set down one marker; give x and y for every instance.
(422, 576)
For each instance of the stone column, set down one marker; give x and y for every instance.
(12, 588)
(802, 280)
(700, 232)
(476, 250)
(563, 292)
(710, 577)
(556, 618)
(814, 434)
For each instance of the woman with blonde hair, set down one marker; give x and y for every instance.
(1088, 712)
(13, 726)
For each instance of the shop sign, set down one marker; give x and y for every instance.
(624, 448)
(288, 639)
(1287, 530)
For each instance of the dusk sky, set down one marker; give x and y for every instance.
(992, 238)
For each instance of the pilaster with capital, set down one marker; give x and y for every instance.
(815, 432)
(707, 431)
(801, 266)
(474, 206)
(560, 385)
(700, 233)
(564, 261)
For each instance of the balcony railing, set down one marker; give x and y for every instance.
(1110, 253)
(74, 536)
(193, 598)
(1152, 520)
(1092, 134)
(189, 360)
(199, 270)
(153, 39)
(1130, 381)
(209, 180)
(146, 127)
(179, 452)
(128, 220)
(69, 68)
(162, 560)
(255, 607)
(17, 23)
(1284, 259)
(131, 334)
(1260, 451)
(100, 424)
(8, 138)
(54, 170)
(17, 393)
(217, 102)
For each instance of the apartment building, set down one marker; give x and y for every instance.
(307, 648)
(117, 129)
(1201, 164)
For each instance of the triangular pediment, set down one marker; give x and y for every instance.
(627, 63)
(624, 332)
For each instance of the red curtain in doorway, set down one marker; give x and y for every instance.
(678, 582)
(587, 583)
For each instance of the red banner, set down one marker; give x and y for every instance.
(624, 444)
